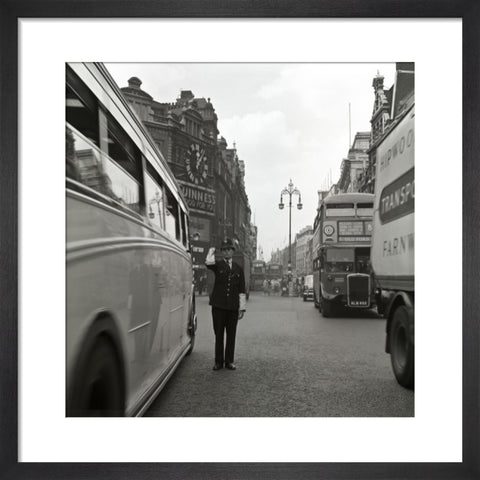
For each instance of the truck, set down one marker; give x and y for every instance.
(393, 241)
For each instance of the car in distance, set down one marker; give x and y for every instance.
(308, 288)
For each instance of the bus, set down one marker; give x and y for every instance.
(341, 252)
(130, 305)
(274, 271)
(258, 275)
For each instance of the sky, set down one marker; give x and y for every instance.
(289, 121)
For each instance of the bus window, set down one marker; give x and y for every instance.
(99, 153)
(340, 210)
(340, 260)
(365, 209)
(88, 165)
(155, 202)
(82, 108)
(172, 223)
(118, 146)
(362, 260)
(184, 228)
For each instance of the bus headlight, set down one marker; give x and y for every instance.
(336, 290)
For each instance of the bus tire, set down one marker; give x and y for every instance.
(100, 388)
(401, 347)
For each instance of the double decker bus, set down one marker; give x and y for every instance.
(258, 275)
(274, 271)
(341, 252)
(130, 306)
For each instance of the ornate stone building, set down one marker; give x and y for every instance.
(210, 174)
(353, 167)
(387, 104)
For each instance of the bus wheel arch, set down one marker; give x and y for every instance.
(99, 376)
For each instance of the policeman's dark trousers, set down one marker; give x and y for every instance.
(224, 321)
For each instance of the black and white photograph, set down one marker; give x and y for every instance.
(170, 163)
(220, 280)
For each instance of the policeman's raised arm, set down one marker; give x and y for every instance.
(210, 260)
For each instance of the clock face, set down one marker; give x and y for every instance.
(196, 164)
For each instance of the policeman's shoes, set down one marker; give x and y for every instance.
(229, 366)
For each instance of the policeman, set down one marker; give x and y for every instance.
(228, 301)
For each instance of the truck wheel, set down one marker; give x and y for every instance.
(99, 391)
(315, 301)
(401, 348)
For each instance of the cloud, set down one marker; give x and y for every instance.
(288, 121)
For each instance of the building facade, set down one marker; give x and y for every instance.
(302, 255)
(387, 104)
(210, 174)
(354, 166)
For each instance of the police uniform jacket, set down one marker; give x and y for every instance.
(229, 287)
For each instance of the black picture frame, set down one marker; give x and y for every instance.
(12, 10)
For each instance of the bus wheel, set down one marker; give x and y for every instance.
(99, 391)
(401, 348)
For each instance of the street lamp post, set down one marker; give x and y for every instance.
(290, 191)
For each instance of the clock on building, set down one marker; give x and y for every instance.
(196, 164)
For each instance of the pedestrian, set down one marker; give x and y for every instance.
(265, 287)
(228, 301)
